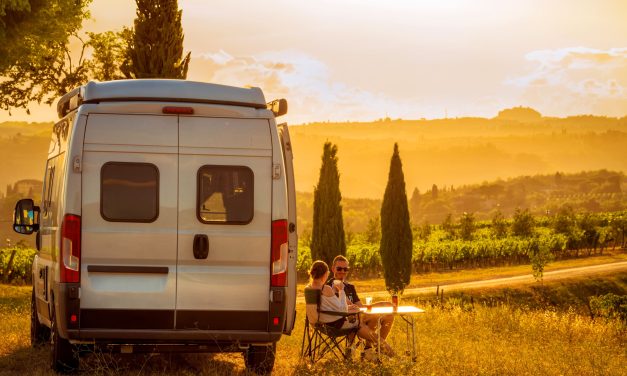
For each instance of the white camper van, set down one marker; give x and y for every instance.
(167, 223)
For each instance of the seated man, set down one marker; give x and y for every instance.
(340, 271)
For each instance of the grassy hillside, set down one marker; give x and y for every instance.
(458, 151)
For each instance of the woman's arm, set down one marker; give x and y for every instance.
(343, 301)
(327, 291)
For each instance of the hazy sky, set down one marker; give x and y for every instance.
(364, 60)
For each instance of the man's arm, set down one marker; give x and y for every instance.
(356, 300)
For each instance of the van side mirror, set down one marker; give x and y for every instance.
(26, 217)
(278, 107)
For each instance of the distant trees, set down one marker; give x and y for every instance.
(523, 223)
(396, 235)
(564, 221)
(156, 50)
(539, 256)
(434, 192)
(373, 231)
(499, 225)
(466, 226)
(414, 204)
(519, 114)
(327, 237)
(448, 226)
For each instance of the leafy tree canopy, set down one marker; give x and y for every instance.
(35, 63)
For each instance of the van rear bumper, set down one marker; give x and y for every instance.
(173, 336)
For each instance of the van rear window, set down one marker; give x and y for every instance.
(225, 194)
(129, 192)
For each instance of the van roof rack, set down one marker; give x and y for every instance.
(165, 90)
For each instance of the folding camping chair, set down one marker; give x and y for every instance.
(320, 339)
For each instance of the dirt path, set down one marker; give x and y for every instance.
(499, 282)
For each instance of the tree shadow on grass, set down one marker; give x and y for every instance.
(163, 363)
(36, 361)
(26, 361)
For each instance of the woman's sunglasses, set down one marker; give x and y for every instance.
(341, 269)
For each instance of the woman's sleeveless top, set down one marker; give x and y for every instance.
(332, 303)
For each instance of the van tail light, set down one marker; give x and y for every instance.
(71, 248)
(178, 110)
(279, 253)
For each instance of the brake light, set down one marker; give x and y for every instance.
(177, 110)
(279, 253)
(70, 248)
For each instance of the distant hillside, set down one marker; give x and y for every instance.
(444, 152)
(23, 151)
(458, 151)
(594, 191)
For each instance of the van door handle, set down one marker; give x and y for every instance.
(201, 246)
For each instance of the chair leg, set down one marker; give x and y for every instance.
(316, 345)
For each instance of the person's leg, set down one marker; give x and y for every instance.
(386, 325)
(371, 338)
(370, 321)
(367, 334)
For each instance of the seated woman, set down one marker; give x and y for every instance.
(334, 299)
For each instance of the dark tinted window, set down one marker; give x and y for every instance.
(129, 192)
(225, 194)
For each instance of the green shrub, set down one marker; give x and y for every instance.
(19, 268)
(610, 306)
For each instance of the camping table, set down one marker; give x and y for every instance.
(407, 313)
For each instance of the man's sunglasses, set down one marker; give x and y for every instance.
(341, 269)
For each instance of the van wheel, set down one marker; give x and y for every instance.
(39, 334)
(64, 356)
(260, 359)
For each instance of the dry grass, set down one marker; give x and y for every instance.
(456, 339)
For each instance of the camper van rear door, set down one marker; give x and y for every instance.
(129, 221)
(225, 187)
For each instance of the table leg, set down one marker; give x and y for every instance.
(410, 325)
(413, 339)
(379, 336)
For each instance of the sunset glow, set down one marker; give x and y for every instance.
(364, 60)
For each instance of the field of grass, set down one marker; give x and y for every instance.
(460, 275)
(455, 337)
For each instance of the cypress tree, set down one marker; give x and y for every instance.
(327, 238)
(156, 49)
(396, 236)
(414, 205)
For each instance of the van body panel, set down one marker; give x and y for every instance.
(55, 195)
(235, 275)
(245, 134)
(129, 243)
(176, 336)
(279, 185)
(286, 144)
(116, 129)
